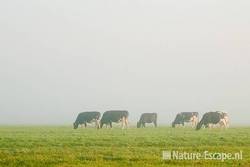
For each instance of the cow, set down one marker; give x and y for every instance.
(114, 116)
(212, 118)
(183, 117)
(87, 117)
(147, 118)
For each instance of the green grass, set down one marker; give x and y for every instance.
(63, 146)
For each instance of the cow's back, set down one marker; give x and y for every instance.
(211, 117)
(188, 115)
(87, 116)
(148, 117)
(114, 115)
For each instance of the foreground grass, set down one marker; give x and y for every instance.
(63, 146)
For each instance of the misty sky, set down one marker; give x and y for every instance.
(59, 58)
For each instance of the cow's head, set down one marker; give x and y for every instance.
(199, 125)
(138, 124)
(75, 125)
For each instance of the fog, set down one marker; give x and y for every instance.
(59, 58)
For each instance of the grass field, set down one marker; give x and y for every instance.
(63, 146)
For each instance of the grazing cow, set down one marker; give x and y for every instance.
(147, 118)
(115, 116)
(211, 118)
(87, 117)
(183, 117)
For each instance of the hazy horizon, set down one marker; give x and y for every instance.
(60, 58)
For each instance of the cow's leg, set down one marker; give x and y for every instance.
(210, 126)
(96, 123)
(192, 124)
(222, 123)
(110, 124)
(85, 124)
(106, 125)
(206, 125)
(226, 121)
(126, 122)
(194, 121)
(123, 122)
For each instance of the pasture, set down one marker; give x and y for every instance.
(64, 146)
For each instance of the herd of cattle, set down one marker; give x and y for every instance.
(209, 119)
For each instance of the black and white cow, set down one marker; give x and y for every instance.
(115, 116)
(147, 118)
(210, 119)
(186, 117)
(87, 117)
